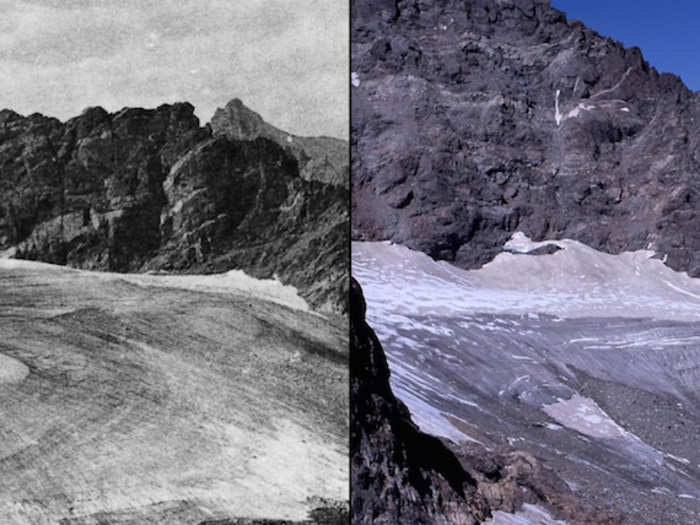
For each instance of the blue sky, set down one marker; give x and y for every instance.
(668, 33)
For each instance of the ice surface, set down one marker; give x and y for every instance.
(12, 370)
(234, 281)
(575, 282)
(524, 332)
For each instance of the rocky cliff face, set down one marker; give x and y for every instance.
(142, 190)
(402, 475)
(475, 119)
(323, 159)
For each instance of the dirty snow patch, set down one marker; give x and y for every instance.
(584, 415)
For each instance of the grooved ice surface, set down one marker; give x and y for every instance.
(154, 399)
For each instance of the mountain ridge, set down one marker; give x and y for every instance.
(151, 189)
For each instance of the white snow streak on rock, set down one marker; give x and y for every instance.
(577, 110)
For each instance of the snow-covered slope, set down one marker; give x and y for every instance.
(576, 281)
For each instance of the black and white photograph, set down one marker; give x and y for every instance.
(174, 255)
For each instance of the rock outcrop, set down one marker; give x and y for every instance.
(472, 120)
(152, 190)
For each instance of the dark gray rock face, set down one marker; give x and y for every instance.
(476, 119)
(152, 190)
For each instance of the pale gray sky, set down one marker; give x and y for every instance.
(286, 59)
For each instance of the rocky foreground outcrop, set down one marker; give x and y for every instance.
(152, 190)
(472, 120)
(402, 475)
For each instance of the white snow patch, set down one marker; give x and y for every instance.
(577, 110)
(626, 110)
(355, 79)
(429, 419)
(576, 281)
(528, 515)
(12, 371)
(521, 243)
(8, 253)
(559, 117)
